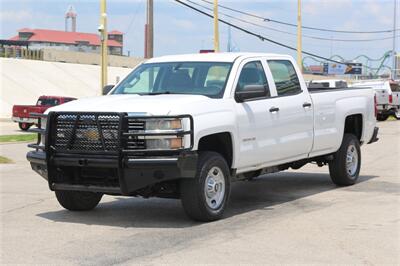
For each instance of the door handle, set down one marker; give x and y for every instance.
(274, 109)
(306, 105)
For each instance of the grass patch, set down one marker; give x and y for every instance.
(392, 118)
(5, 160)
(16, 138)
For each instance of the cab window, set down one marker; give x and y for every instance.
(285, 77)
(252, 74)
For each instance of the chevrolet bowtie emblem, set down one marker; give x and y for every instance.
(91, 134)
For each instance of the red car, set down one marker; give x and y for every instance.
(21, 113)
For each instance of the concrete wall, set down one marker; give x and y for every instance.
(23, 81)
(88, 58)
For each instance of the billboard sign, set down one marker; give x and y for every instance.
(343, 69)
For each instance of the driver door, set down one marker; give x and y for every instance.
(253, 117)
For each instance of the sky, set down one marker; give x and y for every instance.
(178, 29)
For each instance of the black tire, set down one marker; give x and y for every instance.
(193, 193)
(24, 126)
(78, 200)
(382, 117)
(340, 174)
(397, 114)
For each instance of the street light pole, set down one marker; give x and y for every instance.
(103, 39)
(216, 30)
(299, 42)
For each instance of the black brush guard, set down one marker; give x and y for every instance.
(88, 152)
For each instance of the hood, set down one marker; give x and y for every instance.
(148, 104)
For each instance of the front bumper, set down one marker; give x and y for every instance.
(132, 174)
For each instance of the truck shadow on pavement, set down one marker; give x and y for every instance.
(263, 193)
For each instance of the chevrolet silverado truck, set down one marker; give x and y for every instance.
(187, 126)
(21, 114)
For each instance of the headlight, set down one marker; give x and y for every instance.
(164, 124)
(165, 144)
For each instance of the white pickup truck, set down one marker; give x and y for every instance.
(187, 126)
(386, 100)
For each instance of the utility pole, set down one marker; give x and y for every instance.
(394, 40)
(216, 30)
(103, 39)
(149, 31)
(299, 44)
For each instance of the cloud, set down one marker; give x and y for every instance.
(315, 7)
(15, 16)
(381, 11)
(184, 24)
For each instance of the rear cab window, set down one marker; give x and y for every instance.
(47, 102)
(285, 77)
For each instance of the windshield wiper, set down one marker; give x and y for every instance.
(157, 93)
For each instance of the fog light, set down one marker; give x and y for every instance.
(164, 144)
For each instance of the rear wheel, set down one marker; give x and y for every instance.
(382, 117)
(78, 200)
(345, 167)
(24, 126)
(397, 114)
(205, 197)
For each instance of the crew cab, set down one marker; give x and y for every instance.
(187, 126)
(22, 113)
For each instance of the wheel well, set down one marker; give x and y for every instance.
(354, 125)
(221, 143)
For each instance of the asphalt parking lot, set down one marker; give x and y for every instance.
(289, 217)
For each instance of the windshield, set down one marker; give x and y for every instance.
(199, 78)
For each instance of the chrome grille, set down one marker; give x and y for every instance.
(135, 142)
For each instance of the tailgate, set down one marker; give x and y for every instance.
(24, 111)
(396, 98)
(382, 96)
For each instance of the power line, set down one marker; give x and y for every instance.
(293, 34)
(134, 16)
(295, 25)
(262, 38)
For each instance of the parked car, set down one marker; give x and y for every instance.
(384, 97)
(395, 87)
(22, 113)
(187, 126)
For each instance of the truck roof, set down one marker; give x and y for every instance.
(211, 57)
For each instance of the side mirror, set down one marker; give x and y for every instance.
(107, 89)
(250, 92)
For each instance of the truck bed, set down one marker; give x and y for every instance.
(319, 89)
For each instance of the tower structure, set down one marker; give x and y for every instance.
(70, 14)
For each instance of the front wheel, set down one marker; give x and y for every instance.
(205, 197)
(345, 167)
(78, 200)
(24, 126)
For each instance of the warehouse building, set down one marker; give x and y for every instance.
(69, 40)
